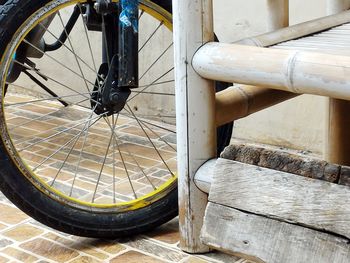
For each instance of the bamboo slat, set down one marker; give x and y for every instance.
(335, 41)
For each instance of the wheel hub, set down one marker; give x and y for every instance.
(107, 97)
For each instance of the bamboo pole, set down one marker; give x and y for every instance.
(337, 6)
(233, 104)
(195, 116)
(288, 70)
(338, 132)
(238, 102)
(337, 142)
(278, 14)
(297, 31)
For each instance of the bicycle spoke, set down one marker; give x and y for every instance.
(158, 83)
(58, 62)
(63, 44)
(150, 37)
(121, 156)
(154, 147)
(42, 100)
(67, 156)
(53, 136)
(74, 53)
(80, 157)
(153, 93)
(75, 137)
(46, 115)
(57, 82)
(126, 169)
(152, 124)
(113, 157)
(159, 137)
(156, 115)
(139, 166)
(82, 94)
(155, 62)
(88, 40)
(102, 166)
(133, 157)
(150, 85)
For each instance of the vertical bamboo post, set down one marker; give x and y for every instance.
(195, 116)
(337, 139)
(336, 6)
(278, 14)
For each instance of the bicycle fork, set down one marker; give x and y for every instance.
(120, 53)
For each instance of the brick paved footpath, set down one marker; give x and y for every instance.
(22, 239)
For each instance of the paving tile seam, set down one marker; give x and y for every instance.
(80, 252)
(131, 248)
(13, 226)
(17, 244)
(178, 251)
(119, 253)
(7, 258)
(40, 258)
(173, 246)
(16, 260)
(69, 238)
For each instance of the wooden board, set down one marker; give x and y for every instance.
(288, 197)
(267, 240)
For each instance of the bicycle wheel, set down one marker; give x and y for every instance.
(62, 163)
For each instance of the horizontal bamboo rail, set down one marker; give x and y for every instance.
(297, 31)
(233, 103)
(238, 102)
(288, 70)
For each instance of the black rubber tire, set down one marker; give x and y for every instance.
(50, 212)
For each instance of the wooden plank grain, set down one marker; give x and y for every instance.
(288, 197)
(267, 240)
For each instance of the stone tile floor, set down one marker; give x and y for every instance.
(23, 239)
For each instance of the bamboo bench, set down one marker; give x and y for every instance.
(271, 213)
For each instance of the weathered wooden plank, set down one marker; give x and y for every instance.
(283, 161)
(314, 203)
(268, 240)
